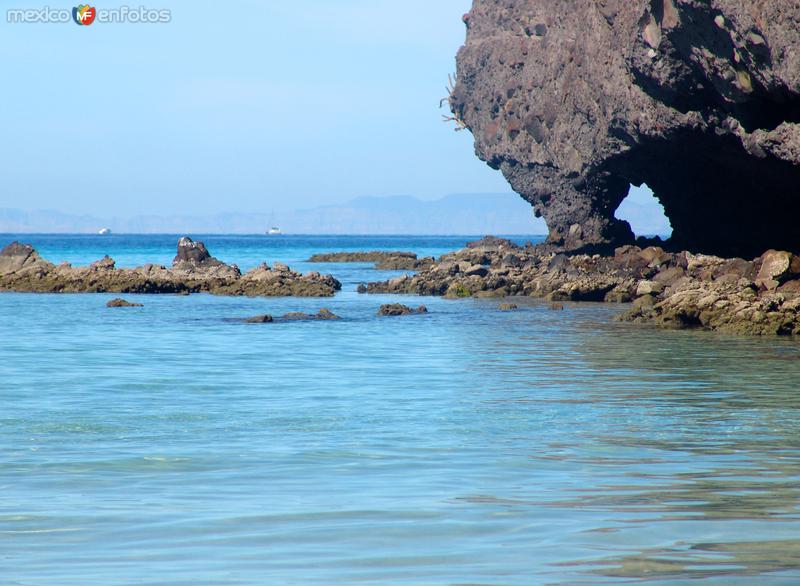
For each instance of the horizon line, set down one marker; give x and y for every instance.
(260, 234)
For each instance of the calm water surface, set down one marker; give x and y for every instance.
(167, 445)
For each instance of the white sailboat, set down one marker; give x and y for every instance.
(274, 230)
(104, 231)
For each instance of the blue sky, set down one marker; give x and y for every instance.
(235, 106)
(245, 106)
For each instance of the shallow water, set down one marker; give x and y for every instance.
(165, 444)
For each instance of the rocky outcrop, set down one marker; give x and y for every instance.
(194, 270)
(761, 296)
(193, 253)
(384, 260)
(193, 258)
(17, 257)
(278, 280)
(573, 100)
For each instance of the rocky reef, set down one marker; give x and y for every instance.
(672, 290)
(193, 270)
(384, 260)
(322, 315)
(395, 309)
(119, 302)
(573, 100)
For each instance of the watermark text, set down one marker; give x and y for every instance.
(85, 15)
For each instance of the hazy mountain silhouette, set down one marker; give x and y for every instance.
(474, 213)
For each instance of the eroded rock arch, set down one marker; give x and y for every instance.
(573, 100)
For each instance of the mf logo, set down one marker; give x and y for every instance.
(84, 14)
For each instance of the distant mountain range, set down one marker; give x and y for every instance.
(474, 213)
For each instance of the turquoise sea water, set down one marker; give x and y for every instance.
(169, 445)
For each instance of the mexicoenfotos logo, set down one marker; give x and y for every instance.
(84, 14)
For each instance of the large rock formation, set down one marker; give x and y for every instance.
(573, 100)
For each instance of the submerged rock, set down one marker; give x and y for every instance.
(384, 260)
(194, 270)
(322, 314)
(394, 309)
(119, 302)
(367, 256)
(507, 306)
(259, 319)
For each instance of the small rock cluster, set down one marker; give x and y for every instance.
(388, 309)
(322, 314)
(193, 270)
(395, 309)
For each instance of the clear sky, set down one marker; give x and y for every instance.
(240, 106)
(249, 106)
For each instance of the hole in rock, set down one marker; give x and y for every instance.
(644, 213)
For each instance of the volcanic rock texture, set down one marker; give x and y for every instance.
(573, 100)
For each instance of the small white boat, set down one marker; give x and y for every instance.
(274, 231)
(104, 231)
